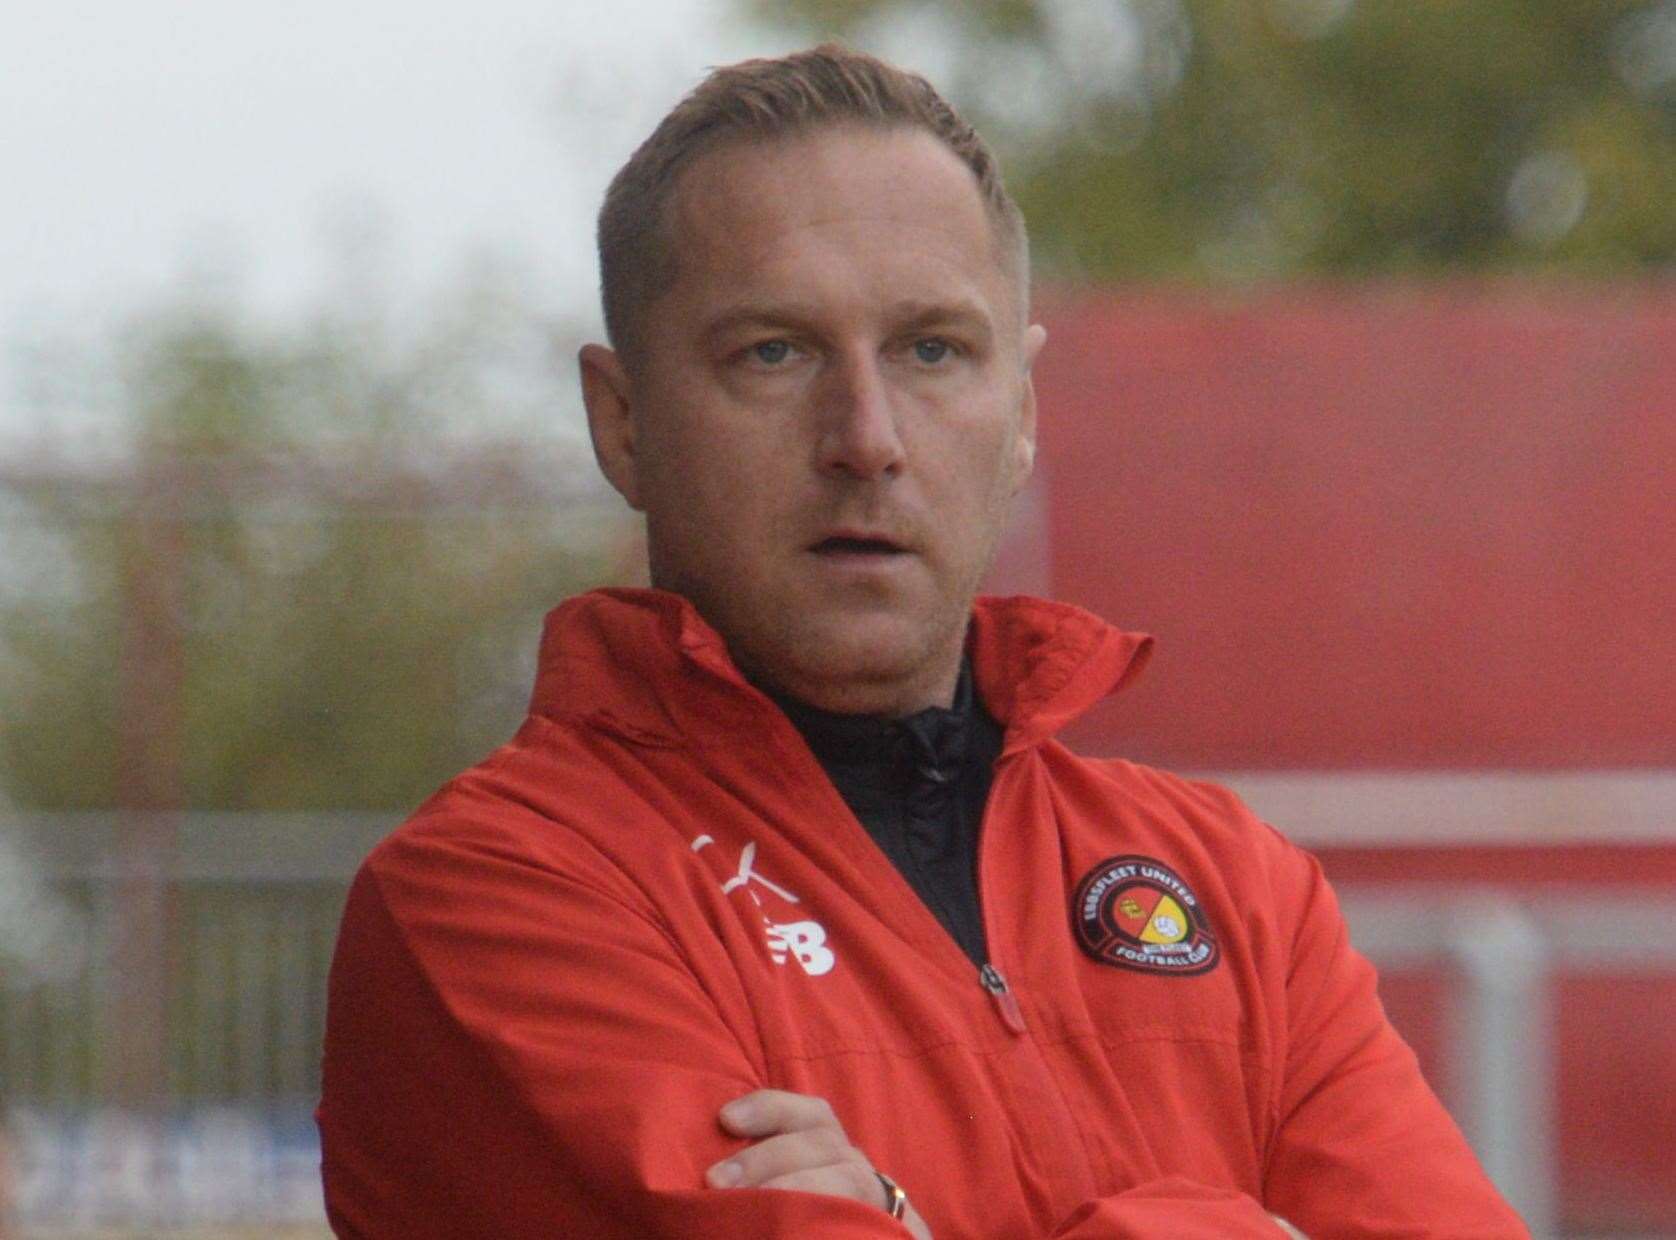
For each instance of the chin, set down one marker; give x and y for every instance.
(856, 663)
(890, 641)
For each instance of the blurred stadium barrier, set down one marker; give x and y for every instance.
(251, 942)
(231, 1138)
(82, 1168)
(1505, 958)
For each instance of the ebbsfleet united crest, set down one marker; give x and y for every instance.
(1137, 913)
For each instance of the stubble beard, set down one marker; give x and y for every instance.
(882, 660)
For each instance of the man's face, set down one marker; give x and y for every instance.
(831, 411)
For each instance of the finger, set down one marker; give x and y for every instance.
(853, 1180)
(769, 1111)
(782, 1155)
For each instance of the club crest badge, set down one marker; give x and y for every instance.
(1137, 913)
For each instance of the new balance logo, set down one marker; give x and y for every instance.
(802, 941)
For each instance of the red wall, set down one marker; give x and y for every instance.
(1399, 528)
(1425, 527)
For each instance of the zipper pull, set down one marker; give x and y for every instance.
(1005, 1003)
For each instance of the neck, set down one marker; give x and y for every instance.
(894, 699)
(806, 714)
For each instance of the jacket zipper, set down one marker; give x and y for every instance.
(989, 977)
(1002, 997)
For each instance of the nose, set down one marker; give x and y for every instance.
(859, 436)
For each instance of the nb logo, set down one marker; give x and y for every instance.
(804, 940)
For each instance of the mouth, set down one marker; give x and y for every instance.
(845, 545)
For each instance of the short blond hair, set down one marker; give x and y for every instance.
(761, 100)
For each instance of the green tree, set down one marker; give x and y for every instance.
(312, 577)
(1215, 140)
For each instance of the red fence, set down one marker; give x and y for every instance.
(1406, 529)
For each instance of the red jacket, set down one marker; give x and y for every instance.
(653, 900)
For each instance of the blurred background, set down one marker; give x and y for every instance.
(1360, 395)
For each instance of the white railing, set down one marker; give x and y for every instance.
(1504, 961)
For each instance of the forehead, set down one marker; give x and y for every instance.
(841, 210)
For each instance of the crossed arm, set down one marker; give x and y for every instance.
(488, 1073)
(799, 1144)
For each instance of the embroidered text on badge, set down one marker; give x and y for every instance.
(1137, 913)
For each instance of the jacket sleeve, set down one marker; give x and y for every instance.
(1362, 1146)
(1174, 1207)
(511, 1052)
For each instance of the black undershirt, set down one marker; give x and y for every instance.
(918, 784)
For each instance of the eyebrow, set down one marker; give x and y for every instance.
(758, 314)
(906, 315)
(914, 315)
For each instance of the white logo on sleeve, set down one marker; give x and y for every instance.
(747, 875)
(803, 941)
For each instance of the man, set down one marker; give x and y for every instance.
(784, 914)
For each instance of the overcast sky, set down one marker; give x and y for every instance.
(140, 138)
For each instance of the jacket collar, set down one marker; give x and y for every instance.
(644, 665)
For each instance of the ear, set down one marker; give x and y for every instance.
(607, 394)
(1035, 336)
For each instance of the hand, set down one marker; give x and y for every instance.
(801, 1145)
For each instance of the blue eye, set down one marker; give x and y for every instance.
(771, 352)
(931, 351)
